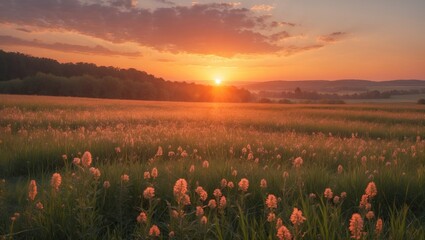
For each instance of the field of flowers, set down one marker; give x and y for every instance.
(73, 168)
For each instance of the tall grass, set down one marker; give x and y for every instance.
(343, 149)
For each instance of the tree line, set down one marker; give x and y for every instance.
(23, 74)
(313, 95)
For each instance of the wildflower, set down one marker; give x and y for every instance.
(217, 193)
(271, 201)
(250, 156)
(364, 159)
(312, 196)
(283, 233)
(243, 184)
(364, 201)
(142, 218)
(328, 193)
(185, 200)
(212, 204)
(202, 193)
(340, 169)
(154, 231)
(271, 217)
(149, 193)
(171, 234)
(298, 162)
(192, 168)
(76, 161)
(234, 173)
(39, 206)
(343, 195)
(204, 220)
(64, 157)
(159, 152)
(125, 178)
(174, 214)
(244, 150)
(154, 173)
(279, 223)
(32, 190)
(371, 190)
(223, 183)
(199, 211)
(297, 217)
(86, 159)
(184, 154)
(56, 181)
(146, 175)
(230, 185)
(285, 174)
(106, 184)
(378, 227)
(356, 226)
(370, 215)
(263, 183)
(231, 150)
(180, 187)
(223, 202)
(336, 199)
(95, 172)
(368, 206)
(117, 150)
(171, 154)
(205, 164)
(15, 216)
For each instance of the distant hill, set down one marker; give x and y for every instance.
(23, 74)
(337, 86)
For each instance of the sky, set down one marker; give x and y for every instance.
(234, 41)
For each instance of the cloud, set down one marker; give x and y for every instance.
(23, 30)
(332, 37)
(167, 2)
(282, 24)
(262, 7)
(291, 50)
(99, 50)
(124, 3)
(279, 36)
(221, 29)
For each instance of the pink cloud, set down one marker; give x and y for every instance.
(262, 7)
(222, 29)
(98, 49)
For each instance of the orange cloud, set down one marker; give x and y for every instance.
(332, 37)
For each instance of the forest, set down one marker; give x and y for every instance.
(23, 74)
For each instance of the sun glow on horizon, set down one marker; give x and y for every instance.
(217, 81)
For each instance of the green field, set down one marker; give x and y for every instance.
(293, 152)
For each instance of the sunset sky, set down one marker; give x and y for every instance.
(234, 41)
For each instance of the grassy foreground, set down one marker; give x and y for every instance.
(75, 168)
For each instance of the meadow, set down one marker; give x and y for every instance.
(76, 168)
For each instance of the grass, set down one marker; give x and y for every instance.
(376, 143)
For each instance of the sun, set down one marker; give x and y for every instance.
(217, 81)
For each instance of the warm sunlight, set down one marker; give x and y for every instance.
(217, 81)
